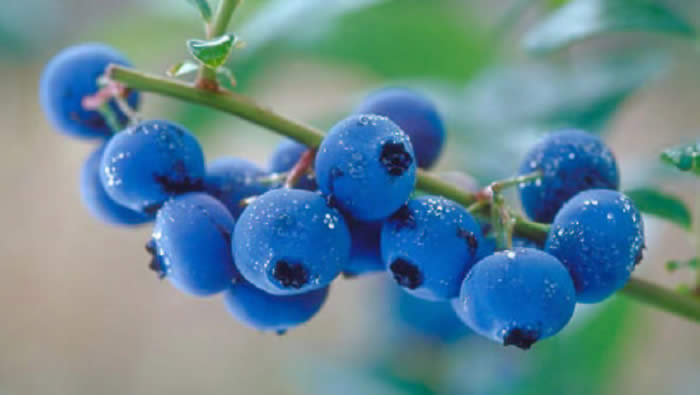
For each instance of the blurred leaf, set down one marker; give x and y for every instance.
(582, 19)
(182, 68)
(212, 53)
(203, 7)
(661, 204)
(674, 265)
(684, 157)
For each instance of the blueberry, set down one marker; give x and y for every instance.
(415, 114)
(571, 161)
(94, 197)
(283, 159)
(69, 77)
(429, 245)
(288, 241)
(366, 164)
(434, 321)
(365, 253)
(266, 312)
(232, 180)
(145, 165)
(599, 236)
(191, 244)
(517, 297)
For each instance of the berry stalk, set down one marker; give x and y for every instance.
(243, 107)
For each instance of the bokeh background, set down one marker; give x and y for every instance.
(81, 314)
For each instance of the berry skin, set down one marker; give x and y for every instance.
(517, 297)
(69, 77)
(288, 241)
(283, 159)
(145, 165)
(365, 253)
(429, 245)
(266, 312)
(599, 236)
(94, 197)
(366, 164)
(415, 114)
(434, 321)
(571, 161)
(232, 180)
(191, 244)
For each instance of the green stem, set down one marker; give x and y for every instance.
(218, 26)
(664, 299)
(238, 105)
(498, 186)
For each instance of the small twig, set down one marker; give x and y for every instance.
(300, 168)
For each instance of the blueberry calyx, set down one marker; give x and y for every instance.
(155, 264)
(290, 274)
(470, 238)
(406, 274)
(395, 158)
(520, 338)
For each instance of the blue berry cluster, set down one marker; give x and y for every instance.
(273, 251)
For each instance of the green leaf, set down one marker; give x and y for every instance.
(684, 157)
(583, 19)
(182, 68)
(661, 204)
(203, 7)
(212, 53)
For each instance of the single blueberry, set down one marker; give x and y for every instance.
(95, 198)
(231, 180)
(69, 77)
(283, 159)
(145, 165)
(517, 297)
(571, 161)
(599, 236)
(366, 163)
(430, 246)
(415, 114)
(266, 312)
(288, 241)
(191, 244)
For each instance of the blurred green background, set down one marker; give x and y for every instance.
(81, 314)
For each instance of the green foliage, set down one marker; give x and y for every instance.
(582, 19)
(684, 157)
(674, 265)
(203, 7)
(212, 53)
(655, 202)
(182, 68)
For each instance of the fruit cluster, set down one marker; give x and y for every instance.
(274, 249)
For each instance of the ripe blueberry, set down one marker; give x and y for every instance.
(283, 159)
(599, 236)
(366, 163)
(191, 244)
(517, 297)
(434, 321)
(68, 78)
(94, 197)
(288, 241)
(266, 312)
(145, 165)
(365, 254)
(232, 180)
(429, 245)
(571, 161)
(415, 114)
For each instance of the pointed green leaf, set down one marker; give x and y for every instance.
(228, 75)
(212, 53)
(661, 204)
(582, 19)
(182, 68)
(685, 157)
(203, 7)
